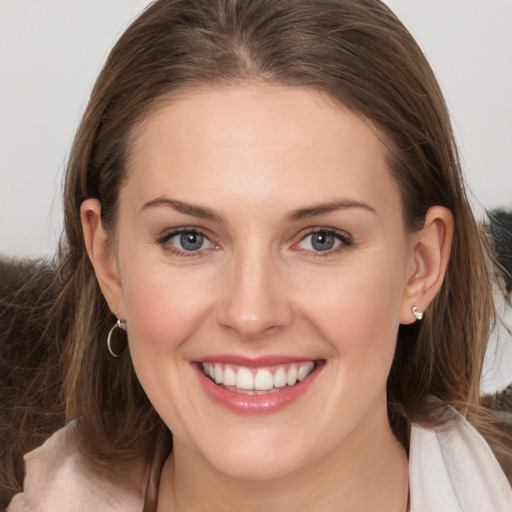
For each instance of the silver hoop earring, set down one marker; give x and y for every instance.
(118, 325)
(417, 314)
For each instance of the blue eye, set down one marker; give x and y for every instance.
(324, 240)
(190, 241)
(185, 242)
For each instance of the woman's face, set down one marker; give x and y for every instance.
(260, 244)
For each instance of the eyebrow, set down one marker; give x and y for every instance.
(189, 209)
(322, 209)
(302, 213)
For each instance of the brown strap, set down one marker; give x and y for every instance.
(162, 450)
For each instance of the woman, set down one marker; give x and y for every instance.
(266, 197)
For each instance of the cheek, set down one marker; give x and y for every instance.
(357, 311)
(163, 309)
(161, 303)
(370, 300)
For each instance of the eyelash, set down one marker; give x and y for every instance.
(344, 239)
(164, 241)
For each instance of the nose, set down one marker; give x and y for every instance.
(255, 301)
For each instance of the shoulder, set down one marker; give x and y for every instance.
(58, 480)
(453, 469)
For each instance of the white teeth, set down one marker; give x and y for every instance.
(280, 378)
(263, 380)
(229, 377)
(291, 375)
(244, 378)
(218, 375)
(305, 370)
(257, 381)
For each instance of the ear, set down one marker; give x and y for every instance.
(102, 255)
(430, 253)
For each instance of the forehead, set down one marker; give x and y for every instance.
(291, 143)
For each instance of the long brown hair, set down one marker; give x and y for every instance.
(361, 55)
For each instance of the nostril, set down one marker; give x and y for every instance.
(253, 324)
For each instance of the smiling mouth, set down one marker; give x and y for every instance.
(257, 381)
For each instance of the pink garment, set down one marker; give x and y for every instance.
(58, 481)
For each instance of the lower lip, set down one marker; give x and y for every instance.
(256, 404)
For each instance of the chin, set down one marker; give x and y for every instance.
(257, 466)
(258, 454)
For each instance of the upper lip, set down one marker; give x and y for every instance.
(254, 362)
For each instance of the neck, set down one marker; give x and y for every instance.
(369, 471)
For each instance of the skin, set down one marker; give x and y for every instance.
(253, 155)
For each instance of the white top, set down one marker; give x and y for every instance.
(450, 470)
(454, 470)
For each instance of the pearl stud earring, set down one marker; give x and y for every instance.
(417, 314)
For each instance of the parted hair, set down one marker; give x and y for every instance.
(360, 55)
